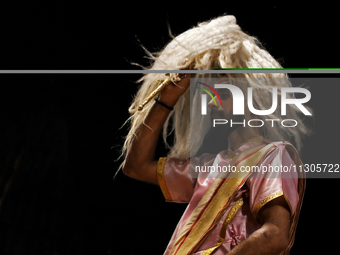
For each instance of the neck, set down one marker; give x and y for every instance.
(241, 135)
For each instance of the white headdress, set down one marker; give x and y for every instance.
(219, 43)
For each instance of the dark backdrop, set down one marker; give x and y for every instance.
(71, 123)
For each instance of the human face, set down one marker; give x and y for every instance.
(224, 111)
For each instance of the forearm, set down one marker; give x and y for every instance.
(142, 149)
(139, 162)
(267, 240)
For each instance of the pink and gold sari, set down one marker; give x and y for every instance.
(223, 207)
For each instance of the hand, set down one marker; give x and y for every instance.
(172, 92)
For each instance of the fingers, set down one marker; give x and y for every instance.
(184, 75)
(192, 66)
(184, 81)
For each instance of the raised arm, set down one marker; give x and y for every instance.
(139, 162)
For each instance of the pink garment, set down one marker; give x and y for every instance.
(184, 189)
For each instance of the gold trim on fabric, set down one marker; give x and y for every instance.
(223, 231)
(215, 201)
(218, 196)
(290, 206)
(161, 180)
(265, 201)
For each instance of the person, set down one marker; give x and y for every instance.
(227, 213)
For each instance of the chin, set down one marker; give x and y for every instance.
(220, 132)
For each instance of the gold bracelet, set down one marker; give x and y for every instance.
(154, 93)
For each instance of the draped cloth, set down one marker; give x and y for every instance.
(223, 206)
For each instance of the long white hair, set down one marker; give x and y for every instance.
(218, 43)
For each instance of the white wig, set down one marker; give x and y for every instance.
(219, 43)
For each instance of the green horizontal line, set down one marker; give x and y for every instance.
(245, 69)
(323, 68)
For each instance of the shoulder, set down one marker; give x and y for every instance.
(286, 148)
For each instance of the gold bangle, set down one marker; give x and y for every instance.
(154, 93)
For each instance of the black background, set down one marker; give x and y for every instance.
(124, 216)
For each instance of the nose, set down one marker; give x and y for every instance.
(214, 103)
